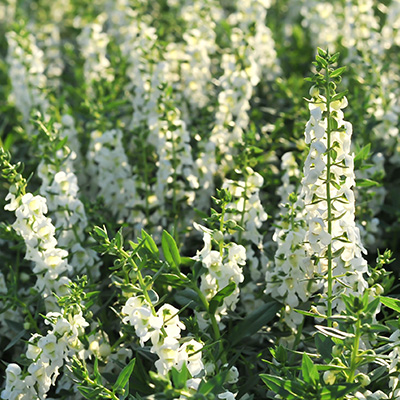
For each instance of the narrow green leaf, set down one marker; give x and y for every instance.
(337, 391)
(170, 249)
(339, 96)
(334, 58)
(179, 378)
(390, 302)
(213, 384)
(97, 376)
(309, 371)
(253, 322)
(187, 296)
(321, 61)
(276, 384)
(123, 377)
(90, 393)
(150, 244)
(363, 153)
(102, 232)
(324, 346)
(174, 280)
(337, 72)
(15, 340)
(219, 297)
(366, 183)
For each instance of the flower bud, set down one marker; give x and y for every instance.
(314, 91)
(363, 379)
(329, 377)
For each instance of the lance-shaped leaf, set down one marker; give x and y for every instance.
(124, 375)
(390, 302)
(170, 249)
(218, 299)
(309, 370)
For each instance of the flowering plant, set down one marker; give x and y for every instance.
(176, 223)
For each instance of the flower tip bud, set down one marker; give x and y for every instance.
(314, 91)
(329, 377)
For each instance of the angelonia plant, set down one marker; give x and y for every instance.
(320, 255)
(183, 215)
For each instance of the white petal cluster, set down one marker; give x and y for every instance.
(38, 232)
(26, 72)
(163, 328)
(112, 177)
(93, 42)
(47, 354)
(246, 200)
(60, 187)
(348, 262)
(222, 269)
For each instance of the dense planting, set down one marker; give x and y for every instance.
(199, 199)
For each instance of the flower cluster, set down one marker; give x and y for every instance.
(38, 232)
(329, 198)
(250, 216)
(163, 328)
(47, 355)
(93, 42)
(223, 267)
(26, 69)
(112, 177)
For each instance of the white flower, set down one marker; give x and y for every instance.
(227, 395)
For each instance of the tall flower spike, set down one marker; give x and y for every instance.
(327, 188)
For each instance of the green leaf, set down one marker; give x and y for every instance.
(276, 384)
(337, 391)
(219, 297)
(97, 376)
(339, 96)
(366, 183)
(101, 232)
(174, 280)
(118, 240)
(309, 370)
(150, 244)
(187, 296)
(334, 58)
(337, 72)
(253, 322)
(124, 375)
(363, 154)
(372, 306)
(214, 384)
(90, 393)
(321, 61)
(390, 302)
(15, 339)
(179, 378)
(288, 389)
(321, 52)
(170, 249)
(324, 346)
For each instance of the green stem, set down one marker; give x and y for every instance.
(354, 354)
(214, 323)
(146, 178)
(328, 199)
(244, 207)
(221, 229)
(174, 185)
